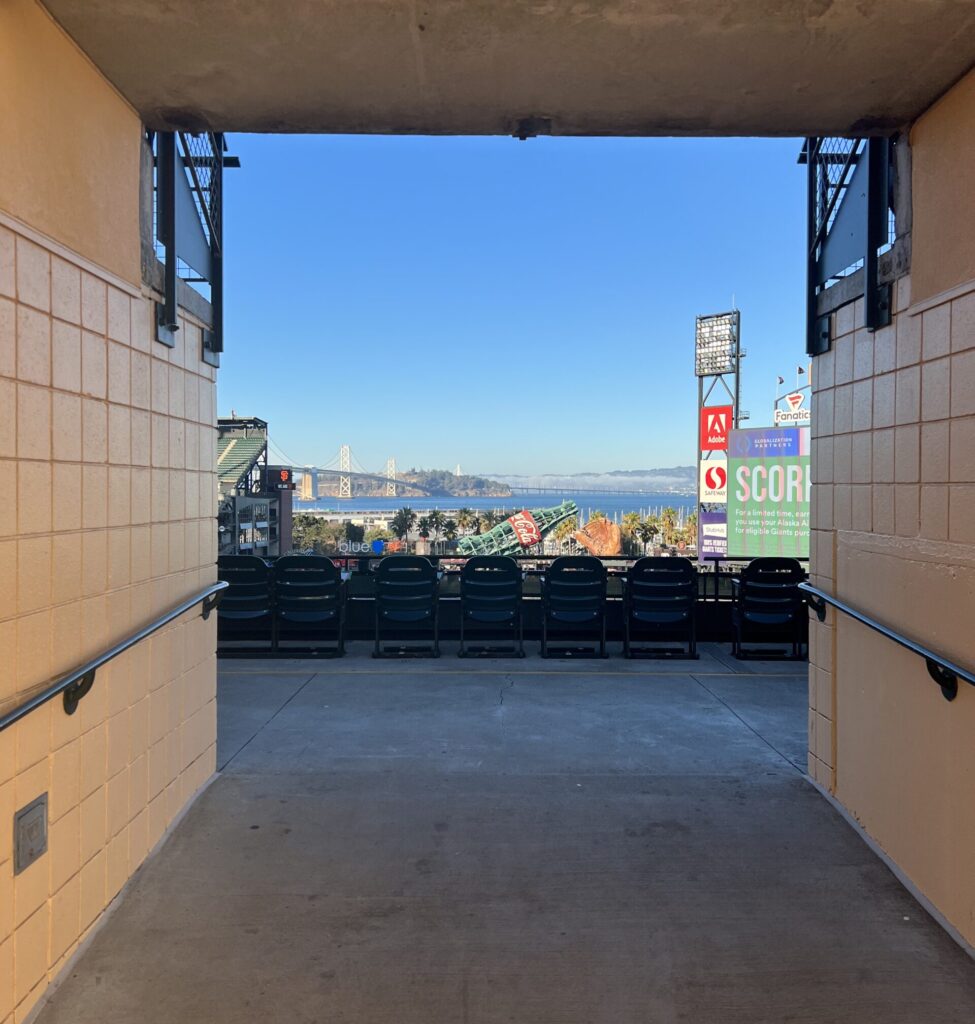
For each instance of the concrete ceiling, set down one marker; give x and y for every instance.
(579, 67)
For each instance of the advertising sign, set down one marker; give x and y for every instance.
(763, 442)
(794, 414)
(526, 529)
(712, 534)
(714, 481)
(278, 478)
(768, 492)
(715, 427)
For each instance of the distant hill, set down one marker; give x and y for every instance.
(678, 479)
(444, 482)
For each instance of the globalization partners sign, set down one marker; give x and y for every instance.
(769, 485)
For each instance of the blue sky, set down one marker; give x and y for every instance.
(520, 307)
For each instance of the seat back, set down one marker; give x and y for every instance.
(574, 589)
(490, 588)
(307, 588)
(406, 589)
(768, 591)
(661, 590)
(249, 595)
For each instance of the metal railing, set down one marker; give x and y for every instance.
(77, 684)
(944, 672)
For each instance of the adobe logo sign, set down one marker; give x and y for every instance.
(715, 425)
(714, 480)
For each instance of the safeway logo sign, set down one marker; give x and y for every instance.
(715, 425)
(714, 480)
(795, 414)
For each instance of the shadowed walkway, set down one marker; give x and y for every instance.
(515, 841)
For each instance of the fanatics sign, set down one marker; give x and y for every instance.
(795, 415)
(715, 427)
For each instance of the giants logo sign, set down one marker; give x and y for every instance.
(526, 529)
(715, 425)
(714, 481)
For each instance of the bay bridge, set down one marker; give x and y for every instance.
(348, 470)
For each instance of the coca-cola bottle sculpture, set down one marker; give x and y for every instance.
(517, 532)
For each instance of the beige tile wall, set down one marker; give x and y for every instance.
(893, 533)
(107, 451)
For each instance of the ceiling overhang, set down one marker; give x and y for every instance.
(568, 67)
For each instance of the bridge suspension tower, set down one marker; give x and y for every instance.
(345, 468)
(391, 477)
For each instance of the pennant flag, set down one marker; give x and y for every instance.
(799, 369)
(781, 380)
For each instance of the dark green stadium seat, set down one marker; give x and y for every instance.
(490, 596)
(769, 606)
(245, 610)
(660, 598)
(574, 599)
(407, 590)
(309, 600)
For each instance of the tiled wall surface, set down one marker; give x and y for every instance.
(893, 520)
(107, 451)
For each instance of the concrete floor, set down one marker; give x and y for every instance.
(534, 842)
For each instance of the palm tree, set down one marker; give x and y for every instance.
(436, 520)
(563, 532)
(596, 515)
(489, 519)
(646, 531)
(466, 519)
(403, 522)
(630, 524)
(423, 527)
(690, 528)
(668, 523)
(629, 527)
(450, 529)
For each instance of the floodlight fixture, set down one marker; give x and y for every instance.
(716, 344)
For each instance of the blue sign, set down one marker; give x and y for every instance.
(763, 443)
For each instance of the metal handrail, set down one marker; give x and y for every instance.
(76, 684)
(944, 672)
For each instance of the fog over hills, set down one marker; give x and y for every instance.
(677, 478)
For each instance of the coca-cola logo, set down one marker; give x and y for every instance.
(716, 478)
(526, 529)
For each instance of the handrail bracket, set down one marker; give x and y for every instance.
(76, 691)
(944, 677)
(818, 605)
(210, 603)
